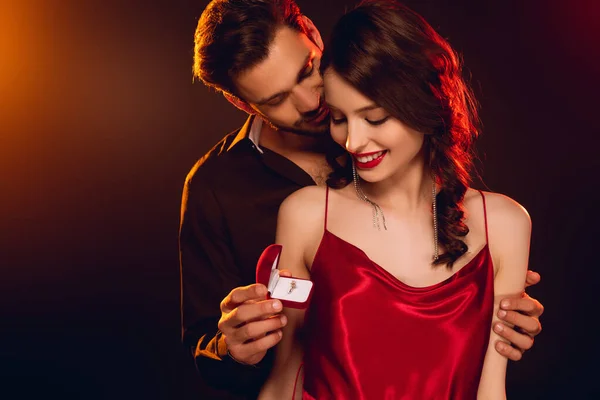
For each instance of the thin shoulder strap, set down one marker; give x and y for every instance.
(485, 217)
(326, 205)
(296, 381)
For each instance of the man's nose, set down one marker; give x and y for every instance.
(308, 100)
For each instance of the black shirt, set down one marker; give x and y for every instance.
(228, 216)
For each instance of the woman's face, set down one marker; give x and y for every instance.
(381, 146)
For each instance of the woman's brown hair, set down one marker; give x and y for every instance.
(393, 56)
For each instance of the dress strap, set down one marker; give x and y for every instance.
(296, 381)
(326, 205)
(484, 217)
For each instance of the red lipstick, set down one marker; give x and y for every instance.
(369, 164)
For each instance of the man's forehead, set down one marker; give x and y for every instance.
(288, 55)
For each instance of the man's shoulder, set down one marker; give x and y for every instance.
(217, 160)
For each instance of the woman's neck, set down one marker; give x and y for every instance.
(405, 191)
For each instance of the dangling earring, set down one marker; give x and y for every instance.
(362, 196)
(435, 220)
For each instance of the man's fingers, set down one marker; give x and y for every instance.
(258, 329)
(519, 340)
(530, 325)
(248, 352)
(533, 278)
(525, 304)
(240, 295)
(508, 351)
(252, 312)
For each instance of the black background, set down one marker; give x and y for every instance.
(100, 123)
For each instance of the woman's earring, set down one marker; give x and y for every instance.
(362, 196)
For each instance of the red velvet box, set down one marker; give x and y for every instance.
(293, 292)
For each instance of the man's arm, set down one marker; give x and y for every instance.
(208, 275)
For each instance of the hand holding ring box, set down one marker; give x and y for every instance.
(292, 292)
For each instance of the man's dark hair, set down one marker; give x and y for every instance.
(234, 35)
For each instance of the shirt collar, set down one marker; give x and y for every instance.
(254, 135)
(278, 163)
(251, 131)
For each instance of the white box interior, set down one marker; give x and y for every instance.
(279, 286)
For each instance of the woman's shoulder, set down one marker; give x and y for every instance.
(312, 199)
(305, 199)
(305, 206)
(301, 219)
(508, 225)
(501, 210)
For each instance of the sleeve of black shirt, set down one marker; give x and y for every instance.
(208, 273)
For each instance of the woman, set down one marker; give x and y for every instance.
(406, 259)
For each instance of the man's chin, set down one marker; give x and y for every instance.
(309, 131)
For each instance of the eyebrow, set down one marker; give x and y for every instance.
(362, 109)
(309, 57)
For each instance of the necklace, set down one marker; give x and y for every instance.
(377, 211)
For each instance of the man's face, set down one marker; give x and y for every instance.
(286, 88)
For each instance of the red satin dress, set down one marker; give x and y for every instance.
(371, 337)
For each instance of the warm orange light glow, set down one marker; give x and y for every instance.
(20, 33)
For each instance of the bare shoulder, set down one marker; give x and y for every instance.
(504, 211)
(509, 229)
(307, 203)
(303, 209)
(300, 223)
(307, 197)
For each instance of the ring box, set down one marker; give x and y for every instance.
(293, 292)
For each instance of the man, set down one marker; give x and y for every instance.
(263, 55)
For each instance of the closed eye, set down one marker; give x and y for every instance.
(378, 122)
(337, 121)
(307, 72)
(276, 101)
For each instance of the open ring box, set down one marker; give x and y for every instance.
(293, 292)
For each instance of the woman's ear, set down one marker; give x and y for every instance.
(313, 32)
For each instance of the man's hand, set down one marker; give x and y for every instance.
(250, 323)
(524, 314)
